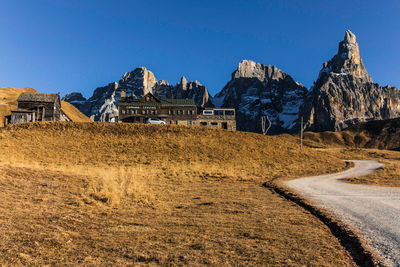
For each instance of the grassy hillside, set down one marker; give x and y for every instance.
(8, 102)
(9, 95)
(97, 193)
(351, 143)
(383, 134)
(73, 113)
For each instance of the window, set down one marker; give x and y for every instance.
(133, 111)
(229, 112)
(189, 122)
(171, 112)
(218, 112)
(203, 123)
(124, 111)
(152, 112)
(144, 112)
(214, 123)
(180, 112)
(190, 112)
(148, 98)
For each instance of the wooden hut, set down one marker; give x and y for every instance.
(37, 107)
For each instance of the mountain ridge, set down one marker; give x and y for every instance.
(257, 90)
(343, 94)
(103, 104)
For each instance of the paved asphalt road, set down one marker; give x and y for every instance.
(374, 211)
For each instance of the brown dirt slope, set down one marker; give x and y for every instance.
(73, 113)
(382, 134)
(118, 194)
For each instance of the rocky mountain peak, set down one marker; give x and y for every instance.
(103, 104)
(345, 94)
(349, 37)
(183, 83)
(197, 83)
(139, 78)
(273, 73)
(258, 90)
(249, 69)
(163, 82)
(74, 96)
(347, 61)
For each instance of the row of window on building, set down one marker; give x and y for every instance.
(189, 122)
(154, 112)
(180, 112)
(218, 112)
(205, 123)
(144, 112)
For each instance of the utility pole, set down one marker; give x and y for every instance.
(301, 136)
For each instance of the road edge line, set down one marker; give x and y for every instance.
(357, 248)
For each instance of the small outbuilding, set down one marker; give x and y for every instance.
(37, 107)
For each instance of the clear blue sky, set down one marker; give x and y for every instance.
(70, 45)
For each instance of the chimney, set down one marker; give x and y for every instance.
(123, 93)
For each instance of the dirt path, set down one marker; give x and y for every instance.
(374, 211)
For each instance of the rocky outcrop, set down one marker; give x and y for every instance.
(256, 90)
(75, 98)
(345, 94)
(103, 104)
(191, 90)
(138, 82)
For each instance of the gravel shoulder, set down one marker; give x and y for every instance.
(372, 210)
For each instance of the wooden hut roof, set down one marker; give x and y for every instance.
(28, 97)
(21, 110)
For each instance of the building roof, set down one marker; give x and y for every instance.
(20, 110)
(28, 97)
(178, 102)
(163, 102)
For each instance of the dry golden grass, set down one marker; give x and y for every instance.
(97, 193)
(382, 134)
(342, 145)
(9, 95)
(388, 175)
(73, 113)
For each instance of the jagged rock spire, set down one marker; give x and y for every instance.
(347, 61)
(345, 94)
(349, 37)
(183, 83)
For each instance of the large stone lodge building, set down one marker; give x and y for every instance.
(173, 111)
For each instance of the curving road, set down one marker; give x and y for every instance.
(374, 211)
